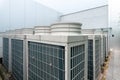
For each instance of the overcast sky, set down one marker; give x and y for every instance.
(69, 6)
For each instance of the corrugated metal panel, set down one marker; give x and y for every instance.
(92, 18)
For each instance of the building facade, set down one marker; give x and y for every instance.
(91, 18)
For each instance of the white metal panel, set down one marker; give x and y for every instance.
(91, 18)
(25, 13)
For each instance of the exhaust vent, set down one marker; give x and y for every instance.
(66, 28)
